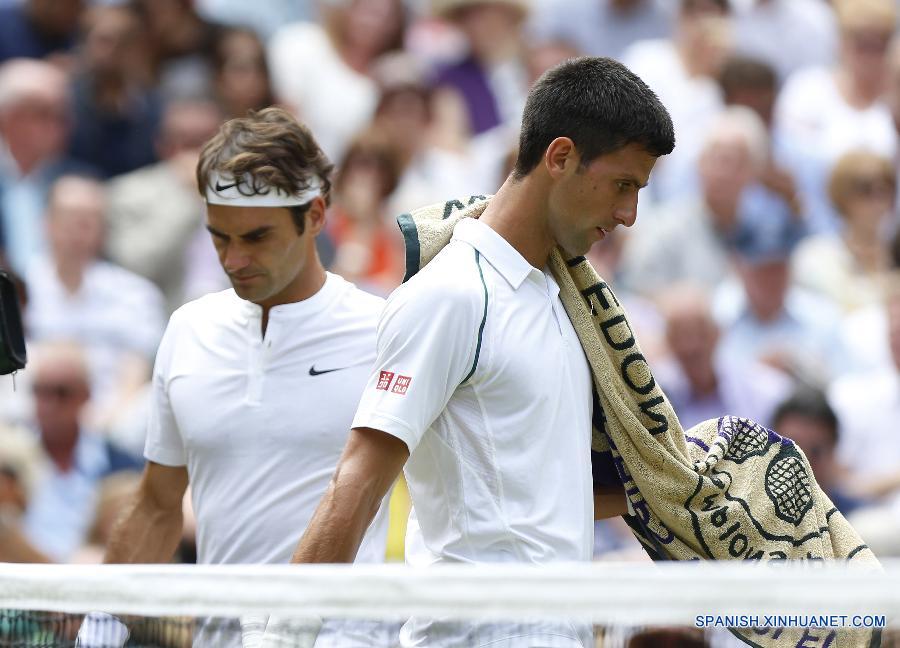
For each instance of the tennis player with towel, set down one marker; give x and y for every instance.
(254, 387)
(481, 388)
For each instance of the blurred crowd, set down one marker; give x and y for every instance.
(761, 276)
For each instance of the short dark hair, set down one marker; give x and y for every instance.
(274, 149)
(600, 105)
(809, 403)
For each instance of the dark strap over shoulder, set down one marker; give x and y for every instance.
(12, 338)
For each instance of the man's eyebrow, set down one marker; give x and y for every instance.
(633, 180)
(254, 233)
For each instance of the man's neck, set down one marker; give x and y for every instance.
(308, 283)
(518, 213)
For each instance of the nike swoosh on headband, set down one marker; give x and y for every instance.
(315, 372)
(223, 190)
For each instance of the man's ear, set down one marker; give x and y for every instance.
(561, 155)
(315, 216)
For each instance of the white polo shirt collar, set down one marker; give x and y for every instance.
(497, 250)
(303, 308)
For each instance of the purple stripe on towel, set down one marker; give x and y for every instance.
(697, 441)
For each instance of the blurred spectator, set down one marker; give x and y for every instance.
(491, 80)
(155, 212)
(61, 508)
(849, 267)
(116, 315)
(807, 419)
(689, 239)
(38, 28)
(241, 72)
(34, 132)
(867, 404)
(180, 45)
(768, 320)
(437, 162)
(682, 71)
(602, 27)
(116, 115)
(321, 72)
(751, 83)
(20, 458)
(892, 89)
(699, 384)
(369, 251)
(786, 34)
(823, 113)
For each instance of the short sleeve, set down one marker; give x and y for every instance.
(164, 444)
(428, 343)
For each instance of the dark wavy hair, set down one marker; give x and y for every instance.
(600, 105)
(272, 150)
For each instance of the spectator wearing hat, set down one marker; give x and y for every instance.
(849, 267)
(491, 80)
(825, 112)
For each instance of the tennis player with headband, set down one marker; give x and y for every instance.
(254, 388)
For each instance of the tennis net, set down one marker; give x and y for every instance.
(503, 606)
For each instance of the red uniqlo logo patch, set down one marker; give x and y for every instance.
(384, 381)
(402, 385)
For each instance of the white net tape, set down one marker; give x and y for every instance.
(600, 593)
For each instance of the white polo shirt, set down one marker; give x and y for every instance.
(260, 422)
(480, 372)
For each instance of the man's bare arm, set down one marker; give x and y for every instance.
(370, 463)
(150, 528)
(609, 502)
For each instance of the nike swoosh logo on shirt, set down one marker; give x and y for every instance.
(315, 372)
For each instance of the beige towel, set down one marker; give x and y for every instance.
(725, 489)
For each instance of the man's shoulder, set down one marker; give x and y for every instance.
(454, 277)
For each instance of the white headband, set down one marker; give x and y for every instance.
(223, 190)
